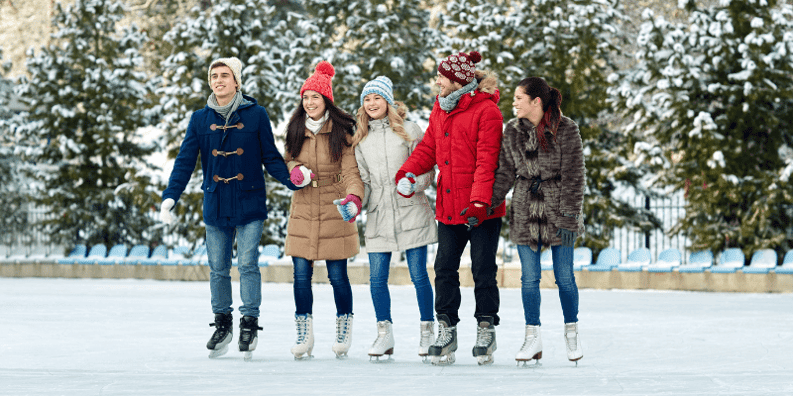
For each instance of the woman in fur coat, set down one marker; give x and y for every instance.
(542, 155)
(383, 141)
(321, 226)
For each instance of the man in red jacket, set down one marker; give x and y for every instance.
(463, 139)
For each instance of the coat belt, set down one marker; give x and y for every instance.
(326, 182)
(217, 178)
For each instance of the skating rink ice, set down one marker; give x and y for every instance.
(143, 337)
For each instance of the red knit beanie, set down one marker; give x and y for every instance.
(320, 81)
(460, 67)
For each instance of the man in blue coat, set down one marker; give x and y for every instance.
(232, 134)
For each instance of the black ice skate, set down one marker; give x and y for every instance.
(218, 345)
(442, 351)
(485, 341)
(248, 339)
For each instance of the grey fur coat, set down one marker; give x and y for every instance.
(558, 202)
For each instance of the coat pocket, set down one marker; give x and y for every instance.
(253, 198)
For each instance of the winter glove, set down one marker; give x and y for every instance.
(301, 176)
(406, 183)
(568, 237)
(165, 211)
(349, 207)
(475, 214)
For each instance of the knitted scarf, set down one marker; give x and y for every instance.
(449, 102)
(315, 126)
(227, 110)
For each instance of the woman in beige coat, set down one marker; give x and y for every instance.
(321, 226)
(383, 141)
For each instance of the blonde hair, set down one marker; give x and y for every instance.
(396, 117)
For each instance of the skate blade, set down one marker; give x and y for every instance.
(443, 360)
(341, 356)
(484, 360)
(426, 359)
(215, 353)
(377, 359)
(306, 356)
(528, 364)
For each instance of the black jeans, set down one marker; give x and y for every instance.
(484, 244)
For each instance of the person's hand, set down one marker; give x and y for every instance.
(349, 207)
(301, 176)
(165, 211)
(476, 212)
(568, 237)
(406, 185)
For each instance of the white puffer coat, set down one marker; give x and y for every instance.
(393, 222)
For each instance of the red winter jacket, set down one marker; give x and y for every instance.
(465, 144)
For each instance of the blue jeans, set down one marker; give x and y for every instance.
(530, 282)
(337, 274)
(379, 264)
(219, 245)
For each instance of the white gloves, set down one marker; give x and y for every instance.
(165, 211)
(407, 185)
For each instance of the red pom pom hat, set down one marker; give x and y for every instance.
(460, 67)
(320, 81)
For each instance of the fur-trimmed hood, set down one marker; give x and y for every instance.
(488, 81)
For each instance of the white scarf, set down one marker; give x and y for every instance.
(315, 126)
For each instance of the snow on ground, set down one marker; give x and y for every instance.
(143, 337)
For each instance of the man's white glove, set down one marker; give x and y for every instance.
(165, 211)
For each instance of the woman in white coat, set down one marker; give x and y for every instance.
(397, 219)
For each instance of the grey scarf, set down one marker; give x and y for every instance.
(450, 102)
(227, 110)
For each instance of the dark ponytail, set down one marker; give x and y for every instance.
(551, 101)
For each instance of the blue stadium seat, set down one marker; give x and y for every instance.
(582, 257)
(638, 259)
(78, 252)
(546, 260)
(177, 257)
(667, 260)
(159, 255)
(698, 261)
(96, 253)
(137, 254)
(763, 261)
(268, 254)
(116, 256)
(607, 260)
(730, 261)
(199, 257)
(787, 264)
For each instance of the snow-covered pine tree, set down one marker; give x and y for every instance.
(86, 98)
(574, 45)
(711, 100)
(249, 30)
(369, 38)
(14, 221)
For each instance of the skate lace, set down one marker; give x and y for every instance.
(247, 333)
(528, 342)
(571, 337)
(382, 333)
(426, 337)
(302, 329)
(484, 336)
(444, 334)
(221, 330)
(342, 325)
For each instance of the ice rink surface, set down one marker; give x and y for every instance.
(142, 337)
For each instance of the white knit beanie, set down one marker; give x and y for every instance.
(233, 63)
